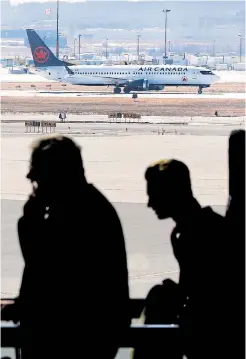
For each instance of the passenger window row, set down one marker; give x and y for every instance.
(128, 73)
(103, 73)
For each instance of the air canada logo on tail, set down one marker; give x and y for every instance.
(41, 54)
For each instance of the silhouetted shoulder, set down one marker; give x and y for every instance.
(210, 214)
(101, 202)
(210, 226)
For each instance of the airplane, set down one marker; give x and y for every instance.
(130, 77)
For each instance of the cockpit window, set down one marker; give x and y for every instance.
(206, 72)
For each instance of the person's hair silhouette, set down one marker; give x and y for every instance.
(169, 188)
(56, 162)
(72, 242)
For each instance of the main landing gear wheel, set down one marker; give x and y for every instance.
(127, 90)
(200, 90)
(117, 90)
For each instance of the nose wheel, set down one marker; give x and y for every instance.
(200, 90)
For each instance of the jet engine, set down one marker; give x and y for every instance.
(156, 87)
(138, 85)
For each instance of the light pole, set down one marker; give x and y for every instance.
(106, 48)
(240, 47)
(79, 45)
(138, 37)
(57, 29)
(214, 48)
(165, 11)
(74, 47)
(169, 46)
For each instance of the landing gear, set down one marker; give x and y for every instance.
(200, 90)
(127, 89)
(117, 90)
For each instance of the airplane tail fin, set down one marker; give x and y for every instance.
(42, 55)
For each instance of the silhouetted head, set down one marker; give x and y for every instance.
(56, 164)
(168, 187)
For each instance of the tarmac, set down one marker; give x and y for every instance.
(144, 120)
(101, 128)
(150, 257)
(94, 94)
(115, 161)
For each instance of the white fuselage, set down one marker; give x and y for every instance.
(164, 75)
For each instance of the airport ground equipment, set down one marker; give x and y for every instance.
(126, 116)
(40, 126)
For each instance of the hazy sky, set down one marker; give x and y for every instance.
(14, 2)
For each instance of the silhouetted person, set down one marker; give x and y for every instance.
(235, 219)
(196, 241)
(74, 293)
(236, 207)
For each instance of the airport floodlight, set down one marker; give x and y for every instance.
(57, 29)
(79, 45)
(74, 47)
(166, 11)
(138, 37)
(240, 47)
(106, 48)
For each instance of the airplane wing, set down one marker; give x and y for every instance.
(69, 71)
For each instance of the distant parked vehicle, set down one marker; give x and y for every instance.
(18, 70)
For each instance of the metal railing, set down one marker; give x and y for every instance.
(136, 335)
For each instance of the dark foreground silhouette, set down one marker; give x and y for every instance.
(73, 246)
(72, 243)
(196, 241)
(235, 220)
(235, 213)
